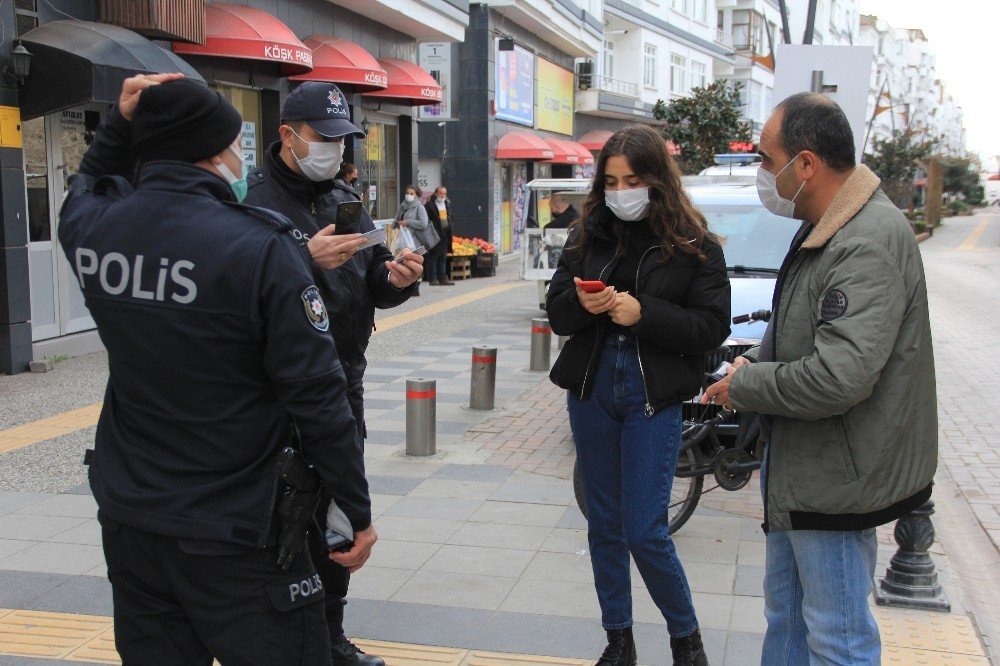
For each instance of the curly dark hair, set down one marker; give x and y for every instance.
(674, 219)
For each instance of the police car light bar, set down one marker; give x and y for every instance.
(737, 158)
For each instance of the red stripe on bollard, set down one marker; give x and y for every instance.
(484, 359)
(539, 329)
(421, 395)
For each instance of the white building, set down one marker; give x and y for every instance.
(652, 50)
(837, 22)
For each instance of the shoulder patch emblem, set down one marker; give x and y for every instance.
(315, 309)
(834, 305)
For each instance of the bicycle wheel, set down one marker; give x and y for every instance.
(683, 495)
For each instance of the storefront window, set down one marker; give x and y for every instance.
(381, 170)
(36, 178)
(247, 102)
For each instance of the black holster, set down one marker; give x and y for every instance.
(297, 496)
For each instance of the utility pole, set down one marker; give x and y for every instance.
(807, 37)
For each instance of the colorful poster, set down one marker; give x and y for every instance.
(435, 57)
(554, 98)
(520, 201)
(515, 85)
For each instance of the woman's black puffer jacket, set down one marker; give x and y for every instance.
(685, 314)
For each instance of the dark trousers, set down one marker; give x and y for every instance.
(436, 262)
(336, 579)
(187, 602)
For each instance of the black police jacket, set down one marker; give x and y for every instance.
(351, 291)
(685, 314)
(216, 336)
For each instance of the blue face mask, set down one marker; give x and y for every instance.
(239, 185)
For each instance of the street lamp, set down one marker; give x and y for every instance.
(20, 63)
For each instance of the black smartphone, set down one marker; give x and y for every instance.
(348, 217)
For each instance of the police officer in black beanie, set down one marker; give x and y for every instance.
(220, 356)
(298, 180)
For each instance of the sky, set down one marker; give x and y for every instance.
(964, 36)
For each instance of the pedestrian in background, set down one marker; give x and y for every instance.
(634, 355)
(297, 179)
(347, 178)
(218, 352)
(563, 212)
(844, 381)
(439, 214)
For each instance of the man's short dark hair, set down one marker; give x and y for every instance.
(812, 122)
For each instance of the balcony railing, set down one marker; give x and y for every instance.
(724, 38)
(615, 86)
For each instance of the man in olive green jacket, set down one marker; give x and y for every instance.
(844, 382)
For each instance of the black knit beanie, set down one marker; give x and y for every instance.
(183, 120)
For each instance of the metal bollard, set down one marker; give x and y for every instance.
(421, 417)
(911, 581)
(483, 387)
(541, 344)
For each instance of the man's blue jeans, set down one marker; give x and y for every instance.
(816, 587)
(627, 462)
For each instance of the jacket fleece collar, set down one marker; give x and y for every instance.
(852, 197)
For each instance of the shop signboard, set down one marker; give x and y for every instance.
(435, 57)
(554, 98)
(515, 85)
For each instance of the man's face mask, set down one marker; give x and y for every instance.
(767, 190)
(239, 185)
(323, 160)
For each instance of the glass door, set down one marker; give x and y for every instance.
(42, 254)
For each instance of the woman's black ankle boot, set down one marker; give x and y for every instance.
(620, 650)
(688, 651)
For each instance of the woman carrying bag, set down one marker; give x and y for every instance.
(413, 217)
(634, 355)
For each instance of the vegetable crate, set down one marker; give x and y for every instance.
(484, 264)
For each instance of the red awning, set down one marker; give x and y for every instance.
(408, 84)
(523, 146)
(563, 152)
(237, 31)
(596, 139)
(586, 157)
(341, 61)
(995, 176)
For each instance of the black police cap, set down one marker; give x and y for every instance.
(323, 107)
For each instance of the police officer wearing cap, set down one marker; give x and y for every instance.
(297, 179)
(219, 357)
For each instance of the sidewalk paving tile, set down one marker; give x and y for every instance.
(518, 513)
(87, 533)
(11, 500)
(425, 530)
(378, 583)
(564, 567)
(35, 528)
(73, 559)
(82, 595)
(11, 546)
(547, 597)
(447, 508)
(500, 536)
(455, 589)
(66, 504)
(427, 624)
(479, 560)
(478, 472)
(400, 555)
(450, 488)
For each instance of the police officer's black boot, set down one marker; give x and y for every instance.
(688, 651)
(344, 651)
(620, 650)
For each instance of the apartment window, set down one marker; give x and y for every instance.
(678, 74)
(741, 29)
(680, 6)
(720, 20)
(609, 59)
(697, 74)
(754, 111)
(649, 65)
(701, 10)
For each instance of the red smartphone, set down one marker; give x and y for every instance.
(592, 286)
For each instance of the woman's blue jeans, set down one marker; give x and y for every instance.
(627, 462)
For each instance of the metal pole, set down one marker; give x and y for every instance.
(817, 81)
(483, 386)
(911, 581)
(541, 344)
(421, 417)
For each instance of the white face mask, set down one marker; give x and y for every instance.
(628, 205)
(323, 160)
(410, 198)
(767, 190)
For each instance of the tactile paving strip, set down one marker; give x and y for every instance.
(898, 656)
(497, 659)
(927, 631)
(54, 635)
